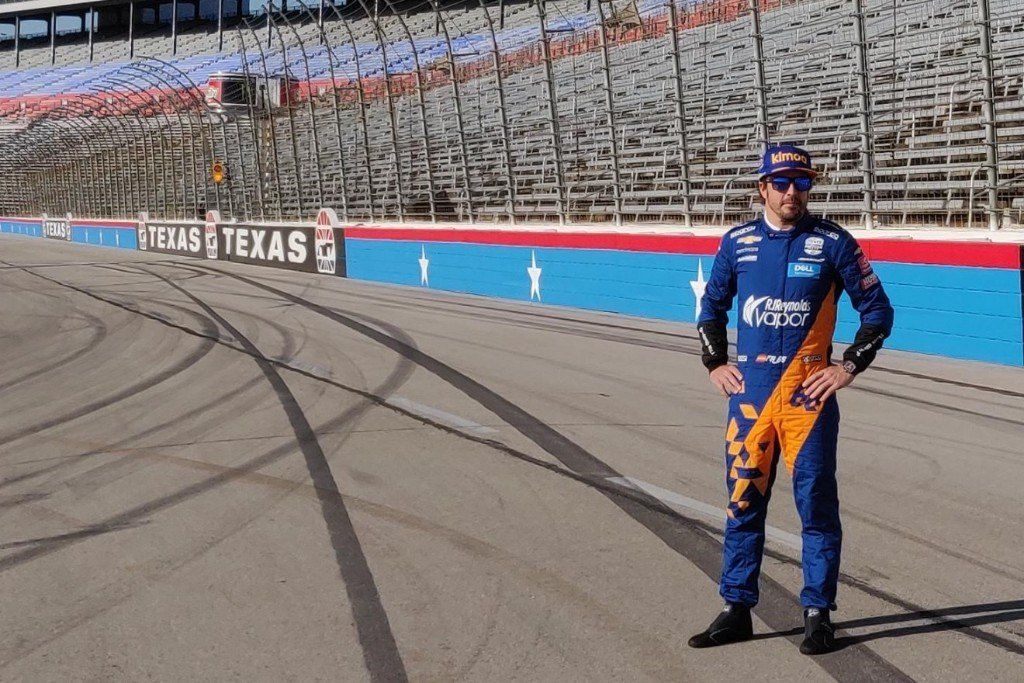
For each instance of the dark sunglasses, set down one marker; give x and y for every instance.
(781, 183)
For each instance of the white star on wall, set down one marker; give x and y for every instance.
(534, 272)
(698, 287)
(424, 265)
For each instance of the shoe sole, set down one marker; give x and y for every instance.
(715, 643)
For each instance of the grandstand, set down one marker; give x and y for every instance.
(569, 111)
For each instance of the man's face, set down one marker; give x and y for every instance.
(789, 205)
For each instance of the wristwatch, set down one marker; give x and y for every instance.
(850, 367)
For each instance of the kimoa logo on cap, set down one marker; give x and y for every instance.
(782, 157)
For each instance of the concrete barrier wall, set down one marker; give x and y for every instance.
(101, 233)
(956, 299)
(953, 298)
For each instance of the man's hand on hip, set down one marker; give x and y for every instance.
(728, 379)
(826, 382)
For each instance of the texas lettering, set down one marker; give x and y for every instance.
(175, 238)
(287, 247)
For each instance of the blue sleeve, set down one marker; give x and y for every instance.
(869, 299)
(863, 286)
(721, 286)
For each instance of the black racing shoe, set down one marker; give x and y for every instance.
(732, 625)
(819, 633)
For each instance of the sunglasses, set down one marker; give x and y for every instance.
(782, 183)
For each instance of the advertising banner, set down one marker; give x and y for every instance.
(177, 238)
(57, 228)
(293, 247)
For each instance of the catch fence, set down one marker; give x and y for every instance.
(648, 111)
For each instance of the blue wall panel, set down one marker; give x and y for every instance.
(105, 236)
(22, 228)
(955, 311)
(637, 283)
(100, 235)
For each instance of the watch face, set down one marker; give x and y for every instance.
(849, 366)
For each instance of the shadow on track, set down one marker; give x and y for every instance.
(940, 620)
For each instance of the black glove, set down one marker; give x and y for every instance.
(866, 343)
(714, 343)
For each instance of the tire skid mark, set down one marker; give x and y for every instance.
(679, 533)
(611, 489)
(614, 491)
(932, 545)
(131, 391)
(346, 420)
(128, 464)
(920, 402)
(643, 434)
(472, 545)
(96, 449)
(118, 445)
(99, 333)
(446, 306)
(380, 651)
(692, 350)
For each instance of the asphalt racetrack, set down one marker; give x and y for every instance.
(211, 471)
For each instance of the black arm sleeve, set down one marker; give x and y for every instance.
(865, 345)
(714, 344)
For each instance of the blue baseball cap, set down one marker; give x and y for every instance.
(778, 158)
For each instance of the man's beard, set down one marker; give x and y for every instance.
(791, 211)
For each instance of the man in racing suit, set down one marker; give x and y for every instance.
(788, 269)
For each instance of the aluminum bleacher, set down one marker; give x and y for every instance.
(485, 145)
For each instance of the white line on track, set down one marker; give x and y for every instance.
(678, 500)
(441, 416)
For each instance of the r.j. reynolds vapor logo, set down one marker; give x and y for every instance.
(782, 157)
(769, 312)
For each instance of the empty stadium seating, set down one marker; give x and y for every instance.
(416, 155)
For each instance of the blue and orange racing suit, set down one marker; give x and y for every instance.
(788, 284)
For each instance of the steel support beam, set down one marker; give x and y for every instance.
(866, 117)
(552, 98)
(677, 84)
(760, 90)
(320, 21)
(609, 101)
(131, 29)
(506, 144)
(989, 115)
(270, 23)
(459, 118)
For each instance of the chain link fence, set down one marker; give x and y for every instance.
(581, 111)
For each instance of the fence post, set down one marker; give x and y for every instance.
(556, 138)
(989, 114)
(609, 102)
(131, 29)
(506, 144)
(867, 138)
(457, 101)
(677, 84)
(759, 84)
